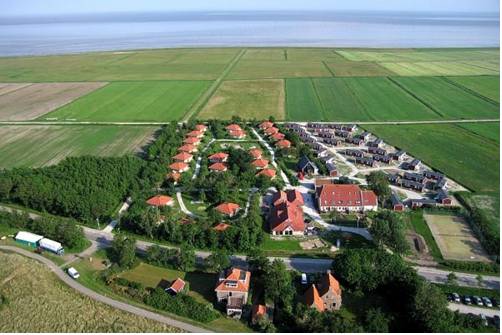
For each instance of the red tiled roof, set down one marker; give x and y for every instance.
(174, 176)
(228, 208)
(267, 172)
(233, 127)
(194, 133)
(260, 163)
(201, 127)
(218, 156)
(271, 130)
(237, 133)
(256, 153)
(179, 166)
(183, 156)
(266, 124)
(346, 195)
(218, 167)
(287, 211)
(292, 196)
(283, 144)
(329, 282)
(234, 281)
(187, 148)
(313, 299)
(159, 200)
(178, 285)
(191, 140)
(221, 226)
(278, 136)
(258, 310)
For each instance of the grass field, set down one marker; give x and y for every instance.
(35, 146)
(28, 101)
(134, 101)
(39, 302)
(302, 102)
(271, 69)
(488, 86)
(247, 99)
(358, 69)
(450, 68)
(466, 157)
(449, 100)
(487, 130)
(455, 238)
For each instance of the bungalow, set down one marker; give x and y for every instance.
(255, 153)
(179, 167)
(278, 136)
(238, 134)
(283, 144)
(345, 197)
(286, 215)
(376, 143)
(260, 164)
(265, 125)
(160, 201)
(184, 157)
(176, 287)
(315, 125)
(307, 167)
(187, 148)
(399, 155)
(384, 159)
(270, 173)
(271, 131)
(412, 185)
(191, 140)
(332, 170)
(218, 167)
(394, 178)
(377, 151)
(365, 135)
(326, 296)
(414, 176)
(221, 227)
(232, 290)
(443, 198)
(219, 157)
(354, 153)
(441, 183)
(368, 161)
(196, 133)
(397, 204)
(228, 208)
(233, 127)
(201, 127)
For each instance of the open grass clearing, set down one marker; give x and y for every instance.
(284, 244)
(455, 238)
(466, 157)
(134, 101)
(29, 101)
(39, 302)
(248, 99)
(488, 86)
(447, 99)
(35, 146)
(251, 69)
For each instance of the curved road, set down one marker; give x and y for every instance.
(101, 298)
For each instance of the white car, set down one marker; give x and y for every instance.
(304, 279)
(73, 273)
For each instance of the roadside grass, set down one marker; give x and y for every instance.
(247, 99)
(36, 146)
(466, 157)
(30, 288)
(488, 86)
(134, 101)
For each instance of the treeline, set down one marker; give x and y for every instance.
(65, 231)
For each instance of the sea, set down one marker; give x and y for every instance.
(121, 31)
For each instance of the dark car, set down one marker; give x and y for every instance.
(467, 300)
(477, 300)
(455, 297)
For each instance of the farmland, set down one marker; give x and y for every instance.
(278, 69)
(29, 101)
(246, 98)
(35, 146)
(488, 130)
(487, 86)
(38, 302)
(134, 101)
(468, 158)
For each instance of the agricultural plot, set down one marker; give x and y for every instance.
(39, 302)
(302, 103)
(35, 146)
(265, 54)
(487, 86)
(318, 55)
(466, 157)
(420, 55)
(247, 69)
(134, 101)
(487, 130)
(455, 238)
(446, 68)
(247, 99)
(450, 101)
(170, 64)
(20, 102)
(358, 69)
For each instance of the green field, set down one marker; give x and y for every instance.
(420, 55)
(134, 101)
(450, 68)
(34, 146)
(358, 69)
(488, 130)
(487, 86)
(271, 69)
(468, 158)
(302, 102)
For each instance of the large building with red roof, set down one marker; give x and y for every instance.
(286, 213)
(233, 289)
(345, 198)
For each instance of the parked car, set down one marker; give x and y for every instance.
(487, 302)
(456, 297)
(73, 273)
(304, 280)
(484, 320)
(467, 300)
(477, 300)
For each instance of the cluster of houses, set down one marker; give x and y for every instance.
(275, 135)
(218, 163)
(373, 154)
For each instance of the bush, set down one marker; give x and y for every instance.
(182, 305)
(472, 266)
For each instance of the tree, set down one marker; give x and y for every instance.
(451, 279)
(264, 325)
(257, 261)
(388, 229)
(376, 321)
(379, 183)
(123, 250)
(279, 285)
(217, 261)
(185, 258)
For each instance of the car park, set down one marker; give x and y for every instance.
(477, 300)
(487, 302)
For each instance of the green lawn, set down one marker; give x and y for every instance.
(488, 86)
(447, 99)
(466, 157)
(286, 244)
(134, 101)
(35, 146)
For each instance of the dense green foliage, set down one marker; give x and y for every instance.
(388, 229)
(379, 183)
(123, 251)
(278, 285)
(217, 261)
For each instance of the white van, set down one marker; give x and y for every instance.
(304, 279)
(73, 273)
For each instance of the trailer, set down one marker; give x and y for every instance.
(27, 238)
(51, 245)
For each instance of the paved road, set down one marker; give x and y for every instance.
(465, 309)
(101, 298)
(463, 279)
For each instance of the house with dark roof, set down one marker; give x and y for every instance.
(399, 155)
(413, 165)
(354, 153)
(376, 143)
(307, 167)
(232, 290)
(418, 177)
(429, 174)
(354, 140)
(441, 183)
(332, 170)
(377, 151)
(332, 141)
(412, 185)
(326, 295)
(286, 214)
(397, 204)
(382, 158)
(368, 161)
(443, 198)
(419, 203)
(345, 198)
